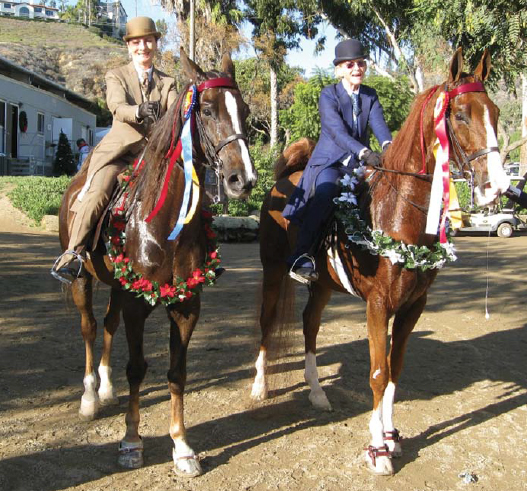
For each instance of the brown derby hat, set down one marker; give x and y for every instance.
(139, 27)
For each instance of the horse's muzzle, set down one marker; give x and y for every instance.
(237, 185)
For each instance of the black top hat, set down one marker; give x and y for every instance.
(349, 49)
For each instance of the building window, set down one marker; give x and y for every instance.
(7, 5)
(24, 12)
(40, 123)
(38, 10)
(49, 12)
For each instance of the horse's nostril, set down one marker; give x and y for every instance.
(234, 178)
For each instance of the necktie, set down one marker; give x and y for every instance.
(355, 104)
(145, 84)
(356, 112)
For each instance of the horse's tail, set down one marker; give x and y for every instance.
(294, 158)
(280, 340)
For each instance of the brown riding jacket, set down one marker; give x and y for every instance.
(123, 96)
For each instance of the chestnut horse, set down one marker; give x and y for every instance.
(219, 113)
(396, 202)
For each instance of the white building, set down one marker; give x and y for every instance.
(29, 10)
(33, 112)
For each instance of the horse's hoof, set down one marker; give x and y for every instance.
(259, 392)
(319, 400)
(392, 440)
(378, 460)
(130, 454)
(186, 465)
(88, 409)
(108, 398)
(396, 451)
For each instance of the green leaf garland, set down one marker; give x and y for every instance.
(378, 243)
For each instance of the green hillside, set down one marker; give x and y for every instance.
(68, 54)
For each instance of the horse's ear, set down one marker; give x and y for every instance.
(482, 71)
(456, 66)
(192, 71)
(227, 66)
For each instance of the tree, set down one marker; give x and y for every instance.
(277, 27)
(217, 22)
(252, 76)
(64, 162)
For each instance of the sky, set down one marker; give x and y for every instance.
(303, 57)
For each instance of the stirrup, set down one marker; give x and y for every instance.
(76, 256)
(296, 276)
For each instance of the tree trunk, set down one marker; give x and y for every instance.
(274, 107)
(523, 151)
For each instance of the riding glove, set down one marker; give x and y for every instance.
(149, 109)
(371, 158)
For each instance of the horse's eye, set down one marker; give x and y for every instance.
(461, 117)
(207, 112)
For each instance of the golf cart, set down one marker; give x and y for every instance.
(503, 223)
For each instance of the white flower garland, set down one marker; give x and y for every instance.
(379, 243)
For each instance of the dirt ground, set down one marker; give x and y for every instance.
(461, 402)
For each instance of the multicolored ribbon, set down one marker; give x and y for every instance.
(184, 145)
(174, 153)
(440, 193)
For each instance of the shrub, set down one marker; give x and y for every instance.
(38, 196)
(264, 163)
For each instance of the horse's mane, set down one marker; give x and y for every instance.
(399, 152)
(294, 158)
(150, 180)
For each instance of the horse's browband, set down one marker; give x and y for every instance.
(214, 83)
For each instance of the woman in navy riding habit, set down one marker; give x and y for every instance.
(346, 110)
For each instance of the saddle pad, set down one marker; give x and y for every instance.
(338, 266)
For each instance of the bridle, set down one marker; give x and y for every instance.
(461, 159)
(212, 151)
(459, 156)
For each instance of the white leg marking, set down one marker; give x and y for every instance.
(232, 109)
(383, 464)
(259, 389)
(186, 463)
(317, 396)
(376, 373)
(499, 180)
(107, 395)
(89, 400)
(387, 418)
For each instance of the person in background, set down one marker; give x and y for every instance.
(137, 94)
(346, 110)
(84, 150)
(517, 195)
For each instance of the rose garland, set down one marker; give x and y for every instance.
(378, 243)
(177, 291)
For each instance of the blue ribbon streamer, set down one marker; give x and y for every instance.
(186, 143)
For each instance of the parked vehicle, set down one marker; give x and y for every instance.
(503, 223)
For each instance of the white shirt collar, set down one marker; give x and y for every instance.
(347, 88)
(140, 72)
